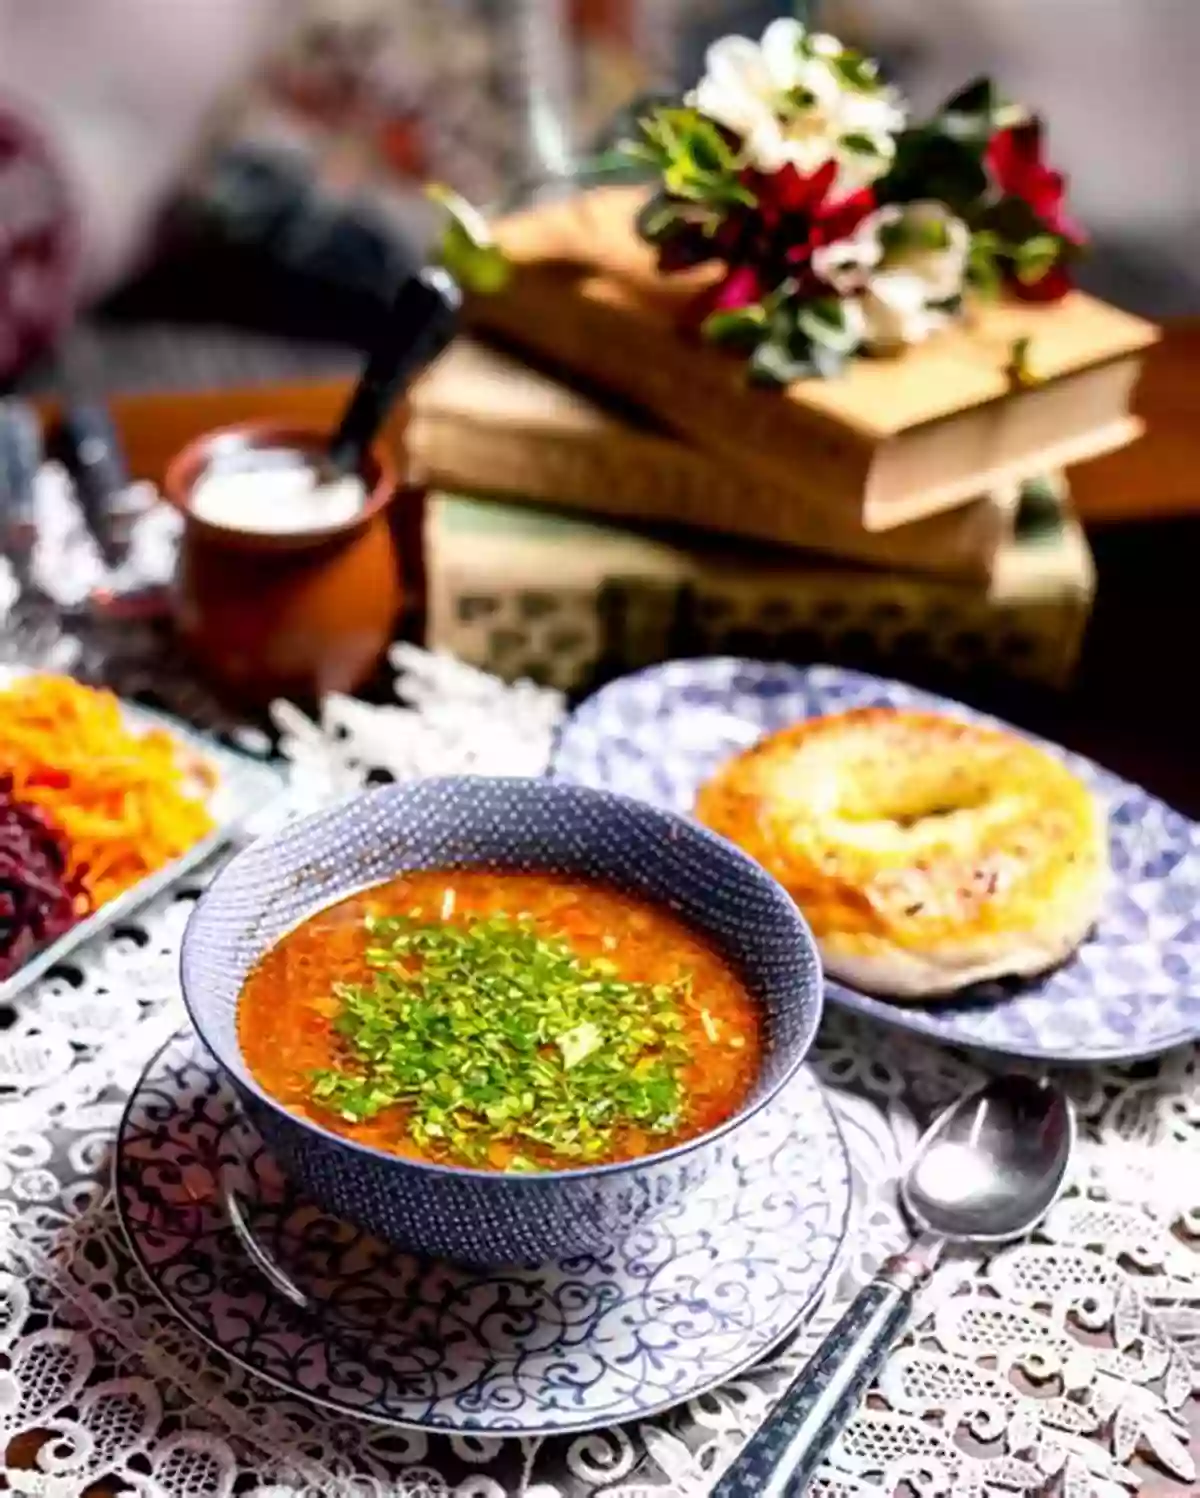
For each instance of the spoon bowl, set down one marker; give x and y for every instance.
(992, 1164)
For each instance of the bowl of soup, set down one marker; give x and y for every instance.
(500, 1020)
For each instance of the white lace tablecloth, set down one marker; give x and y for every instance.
(1064, 1363)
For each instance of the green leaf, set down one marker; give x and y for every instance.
(663, 218)
(1040, 510)
(928, 233)
(1035, 256)
(776, 363)
(931, 164)
(893, 237)
(641, 153)
(983, 262)
(578, 1044)
(914, 233)
(856, 71)
(741, 328)
(800, 98)
(822, 324)
(1012, 219)
(827, 361)
(683, 132)
(709, 151)
(983, 276)
(977, 97)
(861, 145)
(683, 227)
(658, 219)
(1020, 370)
(693, 156)
(971, 115)
(467, 249)
(483, 269)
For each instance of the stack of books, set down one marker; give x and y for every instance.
(567, 542)
(644, 501)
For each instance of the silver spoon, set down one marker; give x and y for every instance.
(985, 1171)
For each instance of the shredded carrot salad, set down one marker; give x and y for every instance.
(126, 802)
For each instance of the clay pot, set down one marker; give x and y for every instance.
(293, 615)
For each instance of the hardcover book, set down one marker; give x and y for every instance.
(526, 591)
(483, 422)
(890, 440)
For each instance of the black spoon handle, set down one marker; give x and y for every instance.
(422, 321)
(21, 455)
(782, 1456)
(94, 457)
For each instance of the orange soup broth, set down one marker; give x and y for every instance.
(287, 1006)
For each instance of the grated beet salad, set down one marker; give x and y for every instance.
(37, 901)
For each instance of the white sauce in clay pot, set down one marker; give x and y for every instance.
(275, 493)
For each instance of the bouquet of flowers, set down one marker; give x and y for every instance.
(841, 225)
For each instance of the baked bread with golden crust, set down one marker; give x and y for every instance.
(927, 853)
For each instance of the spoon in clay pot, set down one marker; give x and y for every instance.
(314, 488)
(987, 1170)
(422, 320)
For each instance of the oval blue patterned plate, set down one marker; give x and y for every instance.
(1131, 991)
(319, 1308)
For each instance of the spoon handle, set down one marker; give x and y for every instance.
(422, 321)
(781, 1457)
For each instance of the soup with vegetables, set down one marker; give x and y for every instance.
(503, 1021)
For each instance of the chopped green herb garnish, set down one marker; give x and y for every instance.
(489, 1032)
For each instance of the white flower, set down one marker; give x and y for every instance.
(801, 100)
(901, 266)
(896, 312)
(847, 264)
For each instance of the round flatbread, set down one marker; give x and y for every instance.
(926, 853)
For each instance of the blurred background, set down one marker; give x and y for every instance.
(261, 161)
(222, 195)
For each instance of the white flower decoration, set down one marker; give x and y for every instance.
(900, 266)
(800, 99)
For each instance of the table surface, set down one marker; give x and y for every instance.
(1131, 707)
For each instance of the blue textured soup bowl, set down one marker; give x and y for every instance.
(482, 1217)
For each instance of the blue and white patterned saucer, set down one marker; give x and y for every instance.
(328, 1313)
(1131, 991)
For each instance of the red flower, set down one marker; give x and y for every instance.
(1050, 287)
(774, 240)
(741, 286)
(1014, 162)
(799, 214)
